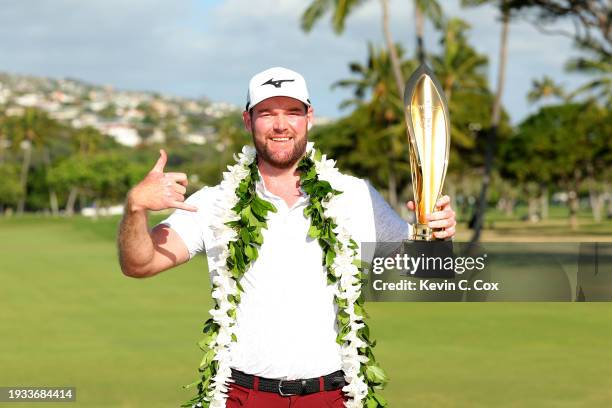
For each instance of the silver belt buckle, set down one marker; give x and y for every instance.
(280, 387)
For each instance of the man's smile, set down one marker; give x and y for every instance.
(281, 139)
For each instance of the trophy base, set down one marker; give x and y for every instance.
(434, 253)
(421, 232)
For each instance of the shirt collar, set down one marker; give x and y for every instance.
(260, 188)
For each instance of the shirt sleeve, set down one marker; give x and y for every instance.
(390, 227)
(189, 225)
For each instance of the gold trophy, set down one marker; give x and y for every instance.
(428, 124)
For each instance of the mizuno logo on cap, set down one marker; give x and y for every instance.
(278, 83)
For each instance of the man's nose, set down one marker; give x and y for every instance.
(280, 122)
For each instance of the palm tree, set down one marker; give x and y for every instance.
(375, 79)
(432, 10)
(504, 8)
(32, 131)
(340, 12)
(86, 142)
(375, 93)
(24, 137)
(598, 64)
(545, 88)
(4, 142)
(459, 65)
(461, 70)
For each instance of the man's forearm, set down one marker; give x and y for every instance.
(136, 249)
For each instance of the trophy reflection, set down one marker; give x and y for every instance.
(428, 124)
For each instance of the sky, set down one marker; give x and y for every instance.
(211, 48)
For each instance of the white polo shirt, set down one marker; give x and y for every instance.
(286, 319)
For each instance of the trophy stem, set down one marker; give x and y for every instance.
(421, 232)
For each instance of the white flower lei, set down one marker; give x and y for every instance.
(226, 289)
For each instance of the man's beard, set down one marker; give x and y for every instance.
(284, 160)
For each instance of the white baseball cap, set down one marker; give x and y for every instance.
(277, 81)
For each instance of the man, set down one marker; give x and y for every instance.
(286, 321)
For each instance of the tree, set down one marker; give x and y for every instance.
(377, 99)
(112, 176)
(462, 74)
(459, 66)
(87, 141)
(545, 88)
(104, 178)
(541, 89)
(590, 19)
(340, 12)
(566, 145)
(207, 163)
(33, 131)
(432, 10)
(496, 111)
(592, 34)
(596, 63)
(10, 188)
(385, 160)
(4, 140)
(71, 174)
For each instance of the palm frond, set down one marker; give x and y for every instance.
(313, 13)
(341, 11)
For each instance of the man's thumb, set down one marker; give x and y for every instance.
(161, 162)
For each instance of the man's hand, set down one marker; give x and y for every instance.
(443, 218)
(159, 190)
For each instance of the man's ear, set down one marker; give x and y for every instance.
(246, 119)
(310, 117)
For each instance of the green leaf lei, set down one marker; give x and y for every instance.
(252, 211)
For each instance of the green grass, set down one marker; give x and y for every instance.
(501, 227)
(70, 318)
